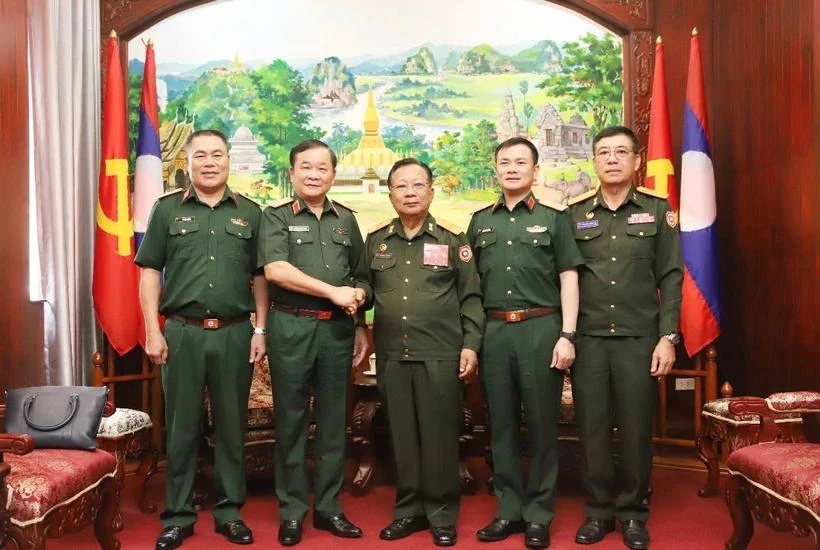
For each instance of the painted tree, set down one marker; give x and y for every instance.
(477, 165)
(342, 138)
(446, 161)
(590, 79)
(405, 141)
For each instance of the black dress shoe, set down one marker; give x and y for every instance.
(636, 537)
(594, 530)
(500, 529)
(172, 537)
(444, 536)
(536, 535)
(236, 532)
(404, 527)
(337, 525)
(290, 532)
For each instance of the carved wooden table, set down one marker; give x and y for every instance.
(367, 403)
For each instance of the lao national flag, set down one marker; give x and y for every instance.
(660, 173)
(115, 287)
(148, 172)
(700, 309)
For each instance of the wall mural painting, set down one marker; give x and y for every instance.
(443, 82)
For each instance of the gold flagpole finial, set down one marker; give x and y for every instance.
(694, 31)
(659, 40)
(150, 42)
(112, 34)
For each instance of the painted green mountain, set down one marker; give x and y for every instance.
(540, 57)
(422, 62)
(332, 83)
(483, 59)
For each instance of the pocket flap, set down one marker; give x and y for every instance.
(381, 264)
(183, 227)
(241, 231)
(485, 240)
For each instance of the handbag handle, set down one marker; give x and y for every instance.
(73, 400)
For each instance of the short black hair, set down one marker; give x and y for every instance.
(610, 131)
(513, 141)
(410, 162)
(309, 144)
(206, 132)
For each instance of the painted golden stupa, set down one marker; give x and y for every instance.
(371, 155)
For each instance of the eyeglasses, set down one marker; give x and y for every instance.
(621, 153)
(402, 188)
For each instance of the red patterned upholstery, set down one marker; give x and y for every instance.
(46, 478)
(791, 470)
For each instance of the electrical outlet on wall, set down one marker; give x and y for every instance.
(684, 384)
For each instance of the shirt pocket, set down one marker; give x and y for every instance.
(385, 274)
(342, 245)
(436, 278)
(535, 250)
(237, 245)
(589, 242)
(182, 238)
(300, 248)
(641, 239)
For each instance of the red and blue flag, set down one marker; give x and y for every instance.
(700, 309)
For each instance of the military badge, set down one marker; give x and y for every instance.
(671, 219)
(530, 203)
(341, 231)
(295, 207)
(382, 247)
(587, 224)
(436, 255)
(641, 217)
(465, 253)
(536, 229)
(239, 221)
(589, 215)
(484, 230)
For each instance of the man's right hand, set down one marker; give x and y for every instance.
(346, 298)
(156, 348)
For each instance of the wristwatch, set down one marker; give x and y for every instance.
(571, 336)
(260, 330)
(673, 337)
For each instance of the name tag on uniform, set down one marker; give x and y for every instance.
(436, 254)
(239, 221)
(641, 217)
(301, 228)
(536, 229)
(184, 219)
(484, 230)
(586, 224)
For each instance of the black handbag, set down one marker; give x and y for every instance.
(57, 417)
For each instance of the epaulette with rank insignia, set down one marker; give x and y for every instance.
(381, 225)
(554, 205)
(282, 202)
(343, 205)
(652, 192)
(449, 226)
(170, 193)
(583, 196)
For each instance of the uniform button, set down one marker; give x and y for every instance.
(614, 236)
(509, 292)
(613, 258)
(483, 242)
(323, 243)
(640, 233)
(535, 241)
(611, 306)
(407, 262)
(405, 336)
(435, 267)
(404, 297)
(208, 311)
(212, 258)
(508, 268)
(612, 330)
(586, 237)
(612, 282)
(407, 280)
(512, 219)
(211, 285)
(611, 325)
(614, 215)
(406, 350)
(327, 266)
(509, 242)
(404, 317)
(299, 241)
(183, 231)
(406, 356)
(409, 243)
(212, 232)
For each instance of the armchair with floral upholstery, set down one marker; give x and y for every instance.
(776, 480)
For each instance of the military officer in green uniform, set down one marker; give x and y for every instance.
(204, 239)
(427, 330)
(311, 250)
(527, 259)
(629, 314)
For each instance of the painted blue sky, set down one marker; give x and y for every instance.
(307, 30)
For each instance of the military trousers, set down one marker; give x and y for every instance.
(515, 371)
(611, 384)
(423, 401)
(309, 355)
(216, 360)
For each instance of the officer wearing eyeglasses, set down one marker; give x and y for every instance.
(629, 312)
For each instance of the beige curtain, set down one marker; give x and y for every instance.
(64, 63)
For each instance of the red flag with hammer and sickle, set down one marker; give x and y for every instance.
(116, 278)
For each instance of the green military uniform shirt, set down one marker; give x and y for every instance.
(327, 248)
(520, 253)
(199, 246)
(427, 292)
(632, 252)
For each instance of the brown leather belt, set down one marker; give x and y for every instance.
(321, 314)
(518, 315)
(211, 324)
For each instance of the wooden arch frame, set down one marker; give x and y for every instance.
(630, 19)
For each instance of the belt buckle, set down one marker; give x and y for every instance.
(324, 315)
(210, 324)
(512, 316)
